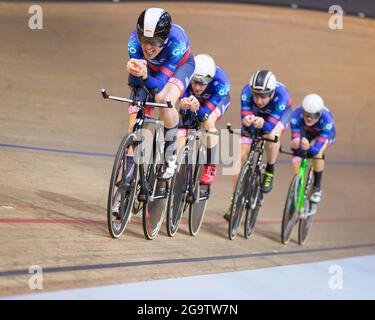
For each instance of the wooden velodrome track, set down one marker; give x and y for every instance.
(49, 98)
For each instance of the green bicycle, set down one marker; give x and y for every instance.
(298, 207)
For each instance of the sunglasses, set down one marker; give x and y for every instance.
(155, 42)
(313, 116)
(261, 95)
(203, 81)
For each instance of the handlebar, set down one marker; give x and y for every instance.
(138, 103)
(257, 136)
(301, 155)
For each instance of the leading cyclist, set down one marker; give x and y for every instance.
(159, 53)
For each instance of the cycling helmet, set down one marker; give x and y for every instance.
(205, 68)
(313, 105)
(263, 82)
(153, 26)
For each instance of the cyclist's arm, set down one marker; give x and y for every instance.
(271, 121)
(166, 71)
(246, 109)
(186, 94)
(295, 126)
(135, 52)
(320, 141)
(222, 91)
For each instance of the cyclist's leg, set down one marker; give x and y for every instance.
(272, 150)
(214, 115)
(212, 139)
(318, 164)
(318, 168)
(172, 91)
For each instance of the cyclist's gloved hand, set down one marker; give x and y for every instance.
(258, 122)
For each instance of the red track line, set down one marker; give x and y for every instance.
(210, 222)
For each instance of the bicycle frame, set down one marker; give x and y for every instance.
(141, 119)
(190, 139)
(302, 172)
(302, 176)
(256, 139)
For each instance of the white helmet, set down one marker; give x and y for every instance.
(205, 68)
(313, 103)
(263, 82)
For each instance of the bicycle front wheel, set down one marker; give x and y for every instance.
(120, 197)
(240, 196)
(290, 211)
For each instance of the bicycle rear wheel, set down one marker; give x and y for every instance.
(305, 223)
(240, 196)
(120, 197)
(290, 211)
(253, 207)
(178, 190)
(154, 208)
(198, 208)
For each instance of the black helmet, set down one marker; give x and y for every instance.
(154, 25)
(263, 82)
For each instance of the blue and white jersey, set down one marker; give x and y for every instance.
(216, 90)
(271, 113)
(175, 53)
(323, 131)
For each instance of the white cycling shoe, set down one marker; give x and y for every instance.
(316, 195)
(169, 168)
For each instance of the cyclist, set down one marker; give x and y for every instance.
(208, 96)
(265, 105)
(313, 130)
(159, 53)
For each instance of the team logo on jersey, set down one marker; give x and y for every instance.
(180, 49)
(294, 121)
(132, 50)
(244, 97)
(224, 91)
(216, 83)
(282, 107)
(329, 126)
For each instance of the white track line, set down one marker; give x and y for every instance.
(301, 281)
